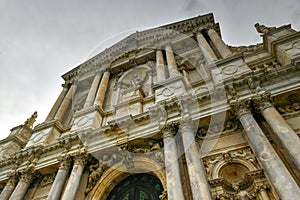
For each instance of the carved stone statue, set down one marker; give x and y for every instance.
(154, 145)
(96, 172)
(164, 195)
(241, 194)
(227, 157)
(263, 29)
(29, 122)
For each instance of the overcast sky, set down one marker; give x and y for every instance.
(42, 39)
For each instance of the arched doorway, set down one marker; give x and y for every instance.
(137, 187)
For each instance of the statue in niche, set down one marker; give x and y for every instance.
(241, 194)
(136, 81)
(29, 122)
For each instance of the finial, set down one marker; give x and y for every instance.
(29, 122)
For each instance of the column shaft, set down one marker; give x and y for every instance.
(59, 182)
(172, 66)
(7, 190)
(278, 174)
(99, 100)
(22, 187)
(218, 43)
(205, 48)
(57, 104)
(174, 185)
(65, 104)
(197, 175)
(286, 135)
(74, 180)
(264, 195)
(160, 66)
(91, 95)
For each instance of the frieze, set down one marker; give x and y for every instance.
(217, 129)
(47, 180)
(289, 108)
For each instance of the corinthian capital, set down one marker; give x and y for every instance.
(169, 130)
(240, 107)
(65, 162)
(262, 101)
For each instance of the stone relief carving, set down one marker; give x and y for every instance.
(135, 82)
(96, 172)
(290, 108)
(47, 180)
(245, 154)
(127, 157)
(216, 129)
(249, 178)
(230, 69)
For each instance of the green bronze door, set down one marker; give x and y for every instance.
(137, 187)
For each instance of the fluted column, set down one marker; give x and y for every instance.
(100, 96)
(74, 179)
(57, 103)
(65, 104)
(197, 175)
(8, 189)
(22, 187)
(172, 66)
(286, 135)
(205, 48)
(60, 180)
(92, 93)
(174, 185)
(278, 174)
(218, 43)
(160, 66)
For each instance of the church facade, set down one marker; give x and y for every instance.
(167, 113)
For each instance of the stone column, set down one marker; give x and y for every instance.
(91, 95)
(160, 66)
(283, 182)
(60, 180)
(218, 43)
(57, 103)
(197, 175)
(263, 194)
(8, 189)
(74, 179)
(172, 66)
(205, 48)
(174, 185)
(22, 187)
(100, 96)
(286, 135)
(65, 104)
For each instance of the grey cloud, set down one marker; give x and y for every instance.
(40, 40)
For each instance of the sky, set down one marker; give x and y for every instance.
(40, 40)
